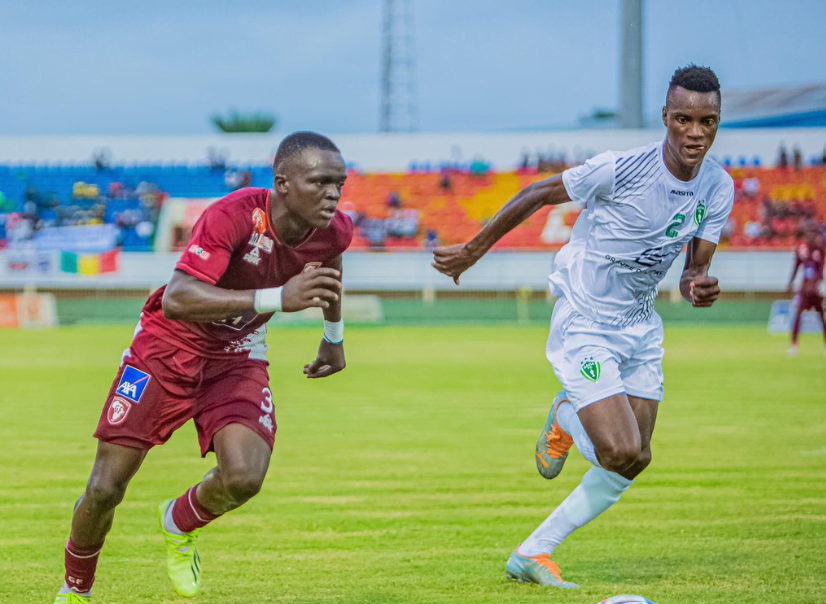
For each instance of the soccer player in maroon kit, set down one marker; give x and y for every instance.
(810, 256)
(199, 352)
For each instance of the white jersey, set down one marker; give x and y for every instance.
(636, 220)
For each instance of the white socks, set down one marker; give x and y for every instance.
(168, 523)
(599, 490)
(570, 422)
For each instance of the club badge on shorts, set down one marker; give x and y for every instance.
(118, 411)
(590, 369)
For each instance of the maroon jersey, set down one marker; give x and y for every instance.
(811, 260)
(233, 246)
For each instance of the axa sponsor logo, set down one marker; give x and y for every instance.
(199, 251)
(118, 411)
(682, 193)
(132, 383)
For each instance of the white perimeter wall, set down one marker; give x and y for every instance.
(394, 151)
(737, 271)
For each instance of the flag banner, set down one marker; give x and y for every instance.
(90, 264)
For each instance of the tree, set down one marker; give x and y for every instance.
(236, 122)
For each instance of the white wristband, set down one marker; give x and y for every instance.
(334, 332)
(268, 300)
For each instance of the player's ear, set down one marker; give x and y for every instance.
(281, 184)
(665, 115)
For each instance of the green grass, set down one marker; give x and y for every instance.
(410, 477)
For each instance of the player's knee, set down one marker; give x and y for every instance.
(104, 494)
(619, 457)
(644, 460)
(243, 485)
(638, 466)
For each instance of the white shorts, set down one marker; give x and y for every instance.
(595, 360)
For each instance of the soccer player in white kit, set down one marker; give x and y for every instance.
(641, 208)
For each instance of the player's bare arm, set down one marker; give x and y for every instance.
(696, 285)
(330, 357)
(456, 259)
(189, 299)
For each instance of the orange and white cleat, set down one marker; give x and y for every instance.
(554, 443)
(536, 569)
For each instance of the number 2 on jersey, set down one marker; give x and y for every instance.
(673, 229)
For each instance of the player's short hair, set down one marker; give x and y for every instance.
(297, 142)
(694, 78)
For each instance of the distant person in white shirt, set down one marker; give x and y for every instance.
(641, 208)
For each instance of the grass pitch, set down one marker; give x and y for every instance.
(410, 477)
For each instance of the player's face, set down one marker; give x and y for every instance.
(315, 178)
(692, 119)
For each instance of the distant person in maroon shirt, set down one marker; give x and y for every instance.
(199, 352)
(809, 256)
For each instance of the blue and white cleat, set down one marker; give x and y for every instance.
(554, 443)
(536, 569)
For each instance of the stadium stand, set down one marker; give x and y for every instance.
(417, 209)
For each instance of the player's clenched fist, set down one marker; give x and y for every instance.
(317, 287)
(703, 291)
(453, 260)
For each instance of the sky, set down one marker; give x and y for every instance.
(166, 66)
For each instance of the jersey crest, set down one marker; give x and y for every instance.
(700, 213)
(259, 220)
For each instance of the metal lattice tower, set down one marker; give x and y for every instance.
(398, 80)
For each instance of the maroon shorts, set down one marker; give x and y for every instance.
(159, 387)
(809, 300)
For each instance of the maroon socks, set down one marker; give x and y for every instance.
(189, 514)
(80, 567)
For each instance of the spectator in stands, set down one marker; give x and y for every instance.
(751, 186)
(823, 157)
(402, 223)
(445, 182)
(394, 200)
(782, 157)
(216, 160)
(541, 165)
(806, 224)
(797, 156)
(525, 159)
(479, 167)
(233, 179)
(375, 231)
(431, 241)
(349, 208)
(752, 231)
(102, 159)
